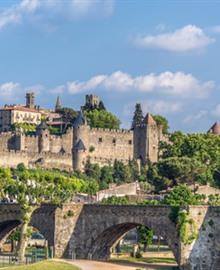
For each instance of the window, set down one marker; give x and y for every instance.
(100, 140)
(130, 142)
(114, 141)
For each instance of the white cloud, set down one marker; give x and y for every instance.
(12, 91)
(161, 107)
(71, 9)
(8, 89)
(9, 17)
(155, 107)
(195, 117)
(178, 84)
(76, 87)
(190, 37)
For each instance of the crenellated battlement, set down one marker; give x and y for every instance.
(112, 131)
(6, 133)
(31, 136)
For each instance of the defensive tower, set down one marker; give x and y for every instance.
(30, 100)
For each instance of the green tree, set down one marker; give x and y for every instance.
(201, 148)
(30, 192)
(162, 121)
(90, 187)
(121, 173)
(134, 170)
(214, 199)
(116, 200)
(169, 172)
(5, 178)
(92, 170)
(106, 177)
(138, 116)
(102, 119)
(145, 236)
(21, 167)
(68, 116)
(182, 195)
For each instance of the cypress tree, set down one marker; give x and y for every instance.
(138, 116)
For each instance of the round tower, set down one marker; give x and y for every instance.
(43, 134)
(80, 141)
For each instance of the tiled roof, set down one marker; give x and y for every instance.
(19, 108)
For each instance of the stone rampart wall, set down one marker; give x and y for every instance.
(46, 160)
(31, 144)
(110, 145)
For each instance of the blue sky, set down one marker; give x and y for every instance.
(164, 54)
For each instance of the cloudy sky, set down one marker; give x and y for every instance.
(164, 54)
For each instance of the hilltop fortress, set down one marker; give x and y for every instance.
(80, 143)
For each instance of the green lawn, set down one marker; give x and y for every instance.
(147, 260)
(129, 248)
(153, 261)
(44, 265)
(157, 260)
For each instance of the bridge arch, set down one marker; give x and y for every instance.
(8, 227)
(42, 220)
(100, 226)
(102, 245)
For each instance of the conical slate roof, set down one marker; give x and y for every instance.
(80, 120)
(43, 126)
(215, 129)
(148, 120)
(80, 146)
(58, 104)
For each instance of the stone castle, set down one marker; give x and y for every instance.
(80, 143)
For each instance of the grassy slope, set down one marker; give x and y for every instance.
(45, 265)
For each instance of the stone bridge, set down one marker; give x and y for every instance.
(89, 231)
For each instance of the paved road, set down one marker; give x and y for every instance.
(93, 265)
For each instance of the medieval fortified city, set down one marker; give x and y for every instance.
(109, 135)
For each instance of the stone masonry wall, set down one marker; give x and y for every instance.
(45, 160)
(153, 143)
(204, 252)
(110, 145)
(31, 143)
(62, 143)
